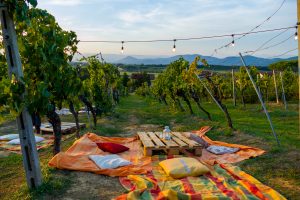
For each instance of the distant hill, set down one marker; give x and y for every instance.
(228, 61)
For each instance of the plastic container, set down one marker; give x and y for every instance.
(166, 133)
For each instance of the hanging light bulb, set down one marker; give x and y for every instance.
(232, 43)
(296, 34)
(174, 46)
(122, 48)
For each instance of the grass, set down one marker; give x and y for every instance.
(278, 168)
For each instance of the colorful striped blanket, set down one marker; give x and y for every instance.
(224, 181)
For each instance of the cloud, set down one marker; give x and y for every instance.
(66, 2)
(168, 19)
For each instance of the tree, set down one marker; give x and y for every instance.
(216, 95)
(177, 82)
(45, 50)
(285, 65)
(195, 87)
(102, 86)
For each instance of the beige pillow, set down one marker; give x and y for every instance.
(183, 167)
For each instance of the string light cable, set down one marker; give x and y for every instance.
(269, 40)
(271, 46)
(261, 49)
(184, 39)
(254, 28)
(284, 53)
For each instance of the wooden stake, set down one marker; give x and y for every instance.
(224, 109)
(275, 85)
(209, 92)
(260, 98)
(25, 128)
(283, 93)
(298, 23)
(233, 88)
(257, 77)
(88, 115)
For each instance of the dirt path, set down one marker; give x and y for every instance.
(92, 186)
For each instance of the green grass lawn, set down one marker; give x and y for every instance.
(278, 168)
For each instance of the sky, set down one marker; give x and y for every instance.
(170, 19)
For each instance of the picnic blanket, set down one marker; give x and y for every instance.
(49, 139)
(244, 153)
(224, 181)
(76, 157)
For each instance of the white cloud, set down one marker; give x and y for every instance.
(66, 2)
(167, 19)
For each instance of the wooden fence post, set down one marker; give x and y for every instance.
(260, 98)
(275, 85)
(283, 93)
(25, 128)
(258, 77)
(233, 88)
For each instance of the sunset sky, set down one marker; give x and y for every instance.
(169, 19)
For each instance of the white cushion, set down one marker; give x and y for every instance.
(17, 141)
(109, 161)
(221, 149)
(9, 137)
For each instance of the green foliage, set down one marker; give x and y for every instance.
(285, 65)
(125, 79)
(45, 50)
(178, 82)
(104, 79)
(20, 8)
(291, 84)
(143, 90)
(138, 79)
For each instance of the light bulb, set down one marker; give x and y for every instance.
(296, 36)
(122, 48)
(174, 48)
(232, 43)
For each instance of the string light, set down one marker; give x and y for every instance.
(122, 48)
(185, 39)
(232, 43)
(174, 46)
(296, 33)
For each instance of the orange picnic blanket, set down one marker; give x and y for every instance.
(76, 157)
(244, 153)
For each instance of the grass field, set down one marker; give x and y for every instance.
(278, 168)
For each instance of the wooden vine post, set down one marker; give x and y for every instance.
(283, 93)
(260, 99)
(298, 23)
(275, 85)
(25, 128)
(233, 88)
(217, 102)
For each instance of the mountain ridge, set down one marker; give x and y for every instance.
(227, 61)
